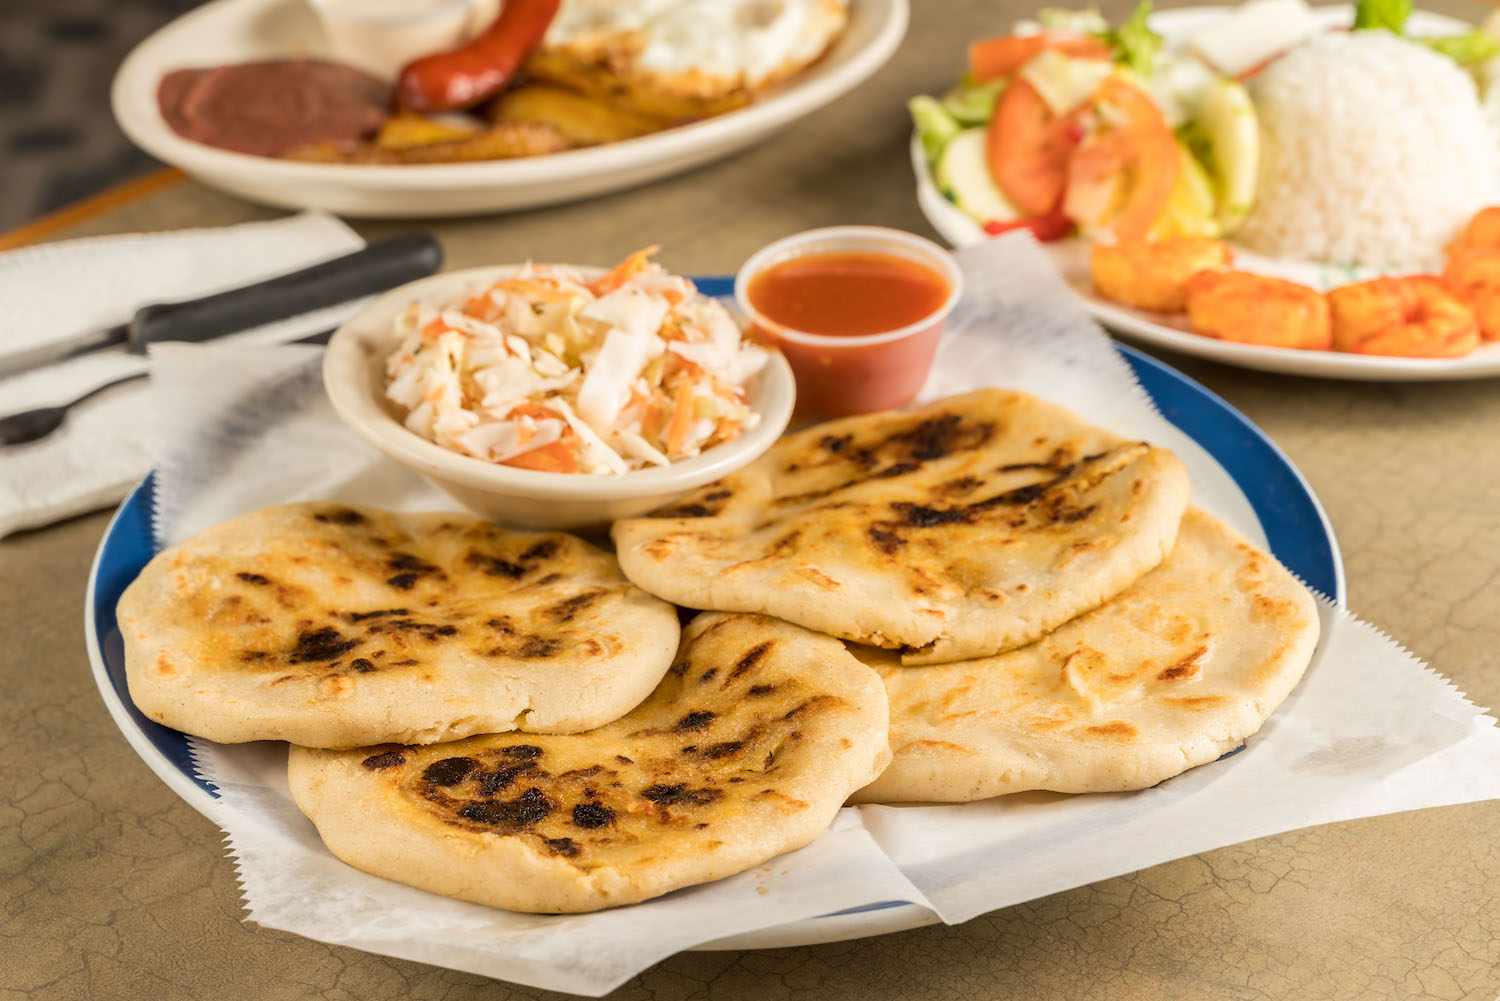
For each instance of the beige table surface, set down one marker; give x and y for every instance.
(113, 888)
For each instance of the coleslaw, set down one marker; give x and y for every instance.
(546, 370)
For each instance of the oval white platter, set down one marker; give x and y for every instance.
(227, 31)
(1171, 333)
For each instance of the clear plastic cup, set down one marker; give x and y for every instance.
(838, 375)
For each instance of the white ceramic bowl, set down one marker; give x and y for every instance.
(354, 377)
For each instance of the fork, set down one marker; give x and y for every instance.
(28, 426)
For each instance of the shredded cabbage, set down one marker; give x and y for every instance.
(548, 371)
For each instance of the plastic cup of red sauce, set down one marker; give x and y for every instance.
(856, 310)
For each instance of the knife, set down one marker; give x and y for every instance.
(376, 268)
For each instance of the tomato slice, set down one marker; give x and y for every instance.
(1029, 147)
(992, 58)
(1120, 177)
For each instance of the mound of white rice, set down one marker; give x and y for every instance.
(1374, 152)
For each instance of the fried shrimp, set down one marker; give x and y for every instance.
(1255, 309)
(1473, 275)
(1482, 231)
(1153, 274)
(1415, 317)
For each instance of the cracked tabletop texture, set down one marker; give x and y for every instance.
(113, 888)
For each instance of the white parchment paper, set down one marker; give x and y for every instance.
(1369, 731)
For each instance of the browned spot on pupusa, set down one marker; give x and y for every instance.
(816, 704)
(660, 547)
(339, 516)
(449, 771)
(494, 566)
(385, 759)
(1185, 668)
(543, 550)
(565, 610)
(820, 578)
(933, 438)
(1197, 701)
(1115, 728)
(323, 644)
(591, 816)
(884, 538)
(681, 794)
(687, 511)
(934, 746)
(1267, 609)
(566, 847)
(406, 570)
(535, 647)
(783, 802)
(510, 816)
(335, 685)
(1058, 717)
(697, 720)
(749, 659)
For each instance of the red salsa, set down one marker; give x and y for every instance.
(847, 294)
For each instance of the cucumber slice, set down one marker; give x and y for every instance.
(935, 127)
(963, 174)
(1226, 136)
(973, 104)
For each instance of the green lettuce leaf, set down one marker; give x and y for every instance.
(1135, 43)
(1475, 47)
(1388, 14)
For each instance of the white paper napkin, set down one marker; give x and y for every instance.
(1369, 731)
(56, 290)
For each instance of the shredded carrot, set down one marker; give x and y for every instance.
(623, 272)
(482, 307)
(727, 428)
(554, 457)
(654, 416)
(437, 328)
(682, 418)
(677, 364)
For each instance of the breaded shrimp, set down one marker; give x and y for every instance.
(1153, 274)
(1414, 317)
(1481, 231)
(1256, 309)
(1473, 275)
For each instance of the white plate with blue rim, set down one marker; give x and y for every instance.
(1294, 524)
(1171, 332)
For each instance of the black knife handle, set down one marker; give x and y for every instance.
(376, 268)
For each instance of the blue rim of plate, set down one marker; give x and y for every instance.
(1297, 530)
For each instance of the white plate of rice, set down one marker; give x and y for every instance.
(1365, 219)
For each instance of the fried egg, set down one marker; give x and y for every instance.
(685, 57)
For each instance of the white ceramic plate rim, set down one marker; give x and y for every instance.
(132, 97)
(962, 231)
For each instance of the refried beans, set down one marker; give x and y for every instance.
(265, 108)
